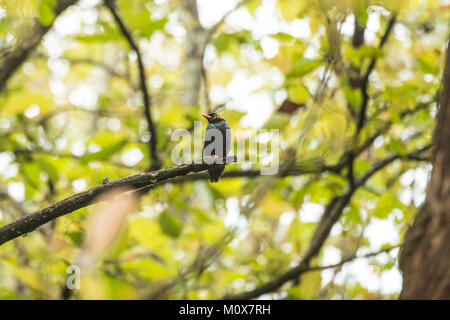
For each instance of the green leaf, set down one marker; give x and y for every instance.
(427, 64)
(227, 42)
(7, 294)
(200, 215)
(277, 121)
(46, 15)
(252, 5)
(361, 12)
(49, 169)
(29, 276)
(353, 215)
(103, 154)
(310, 285)
(396, 145)
(31, 172)
(153, 25)
(289, 9)
(284, 37)
(298, 93)
(357, 55)
(361, 166)
(98, 37)
(231, 42)
(385, 204)
(170, 225)
(353, 96)
(76, 237)
(304, 66)
(108, 33)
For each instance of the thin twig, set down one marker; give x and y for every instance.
(354, 257)
(155, 161)
(365, 79)
(331, 215)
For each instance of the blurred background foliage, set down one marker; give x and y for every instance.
(73, 114)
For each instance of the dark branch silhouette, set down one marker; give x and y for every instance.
(425, 257)
(13, 59)
(147, 180)
(331, 215)
(365, 79)
(153, 141)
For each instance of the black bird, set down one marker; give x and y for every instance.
(217, 142)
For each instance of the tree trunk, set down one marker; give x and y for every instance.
(425, 257)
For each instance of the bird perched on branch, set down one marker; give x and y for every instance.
(217, 143)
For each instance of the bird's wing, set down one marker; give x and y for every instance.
(221, 146)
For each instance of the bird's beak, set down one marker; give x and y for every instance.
(205, 115)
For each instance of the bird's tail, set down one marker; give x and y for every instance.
(214, 174)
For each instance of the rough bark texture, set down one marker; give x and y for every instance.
(13, 59)
(425, 258)
(331, 215)
(147, 180)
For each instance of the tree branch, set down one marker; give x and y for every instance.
(155, 161)
(331, 215)
(12, 60)
(358, 33)
(354, 257)
(80, 200)
(365, 79)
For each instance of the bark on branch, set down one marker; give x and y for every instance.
(80, 200)
(365, 79)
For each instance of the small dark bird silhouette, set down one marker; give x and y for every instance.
(217, 142)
